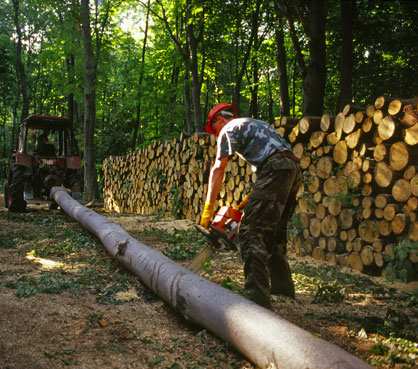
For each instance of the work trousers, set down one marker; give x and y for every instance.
(262, 236)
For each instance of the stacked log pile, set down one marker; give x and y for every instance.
(172, 177)
(360, 192)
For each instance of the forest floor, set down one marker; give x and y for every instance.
(64, 303)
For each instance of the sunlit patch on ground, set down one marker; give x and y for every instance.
(46, 264)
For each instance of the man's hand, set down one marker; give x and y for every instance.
(207, 214)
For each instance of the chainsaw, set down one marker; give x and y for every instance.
(221, 232)
(223, 228)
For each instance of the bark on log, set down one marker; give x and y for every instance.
(228, 315)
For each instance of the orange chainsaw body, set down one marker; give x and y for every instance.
(226, 221)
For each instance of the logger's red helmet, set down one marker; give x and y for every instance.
(213, 112)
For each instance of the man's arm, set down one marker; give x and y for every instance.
(215, 179)
(215, 182)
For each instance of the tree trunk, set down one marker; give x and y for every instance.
(141, 78)
(254, 30)
(347, 16)
(189, 53)
(196, 85)
(173, 88)
(282, 69)
(270, 99)
(71, 82)
(254, 88)
(314, 81)
(188, 103)
(90, 180)
(20, 68)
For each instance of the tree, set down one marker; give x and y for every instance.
(347, 15)
(20, 68)
(141, 79)
(254, 25)
(312, 16)
(90, 182)
(193, 20)
(282, 67)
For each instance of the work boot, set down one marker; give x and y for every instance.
(258, 297)
(285, 288)
(281, 277)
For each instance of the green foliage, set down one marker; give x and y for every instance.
(52, 283)
(72, 241)
(392, 350)
(347, 198)
(106, 294)
(295, 226)
(51, 38)
(329, 293)
(7, 242)
(230, 284)
(181, 244)
(398, 266)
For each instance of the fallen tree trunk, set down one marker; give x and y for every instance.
(262, 336)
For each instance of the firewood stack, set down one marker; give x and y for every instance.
(171, 174)
(360, 192)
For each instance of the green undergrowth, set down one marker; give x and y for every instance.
(398, 266)
(310, 277)
(104, 285)
(85, 268)
(81, 263)
(395, 333)
(179, 244)
(8, 241)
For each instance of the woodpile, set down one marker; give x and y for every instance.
(171, 177)
(359, 196)
(360, 190)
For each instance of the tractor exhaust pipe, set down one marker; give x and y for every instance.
(262, 336)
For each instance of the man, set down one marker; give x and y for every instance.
(262, 235)
(44, 148)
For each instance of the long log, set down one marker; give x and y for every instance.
(230, 316)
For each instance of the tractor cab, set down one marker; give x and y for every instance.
(46, 155)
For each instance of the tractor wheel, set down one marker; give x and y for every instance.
(16, 201)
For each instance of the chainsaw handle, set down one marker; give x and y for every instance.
(243, 203)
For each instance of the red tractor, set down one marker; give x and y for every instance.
(46, 155)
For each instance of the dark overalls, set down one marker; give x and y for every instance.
(263, 231)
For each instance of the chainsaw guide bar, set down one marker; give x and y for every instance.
(216, 238)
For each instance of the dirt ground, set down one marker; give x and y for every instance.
(65, 304)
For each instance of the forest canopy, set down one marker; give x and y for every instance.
(127, 72)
